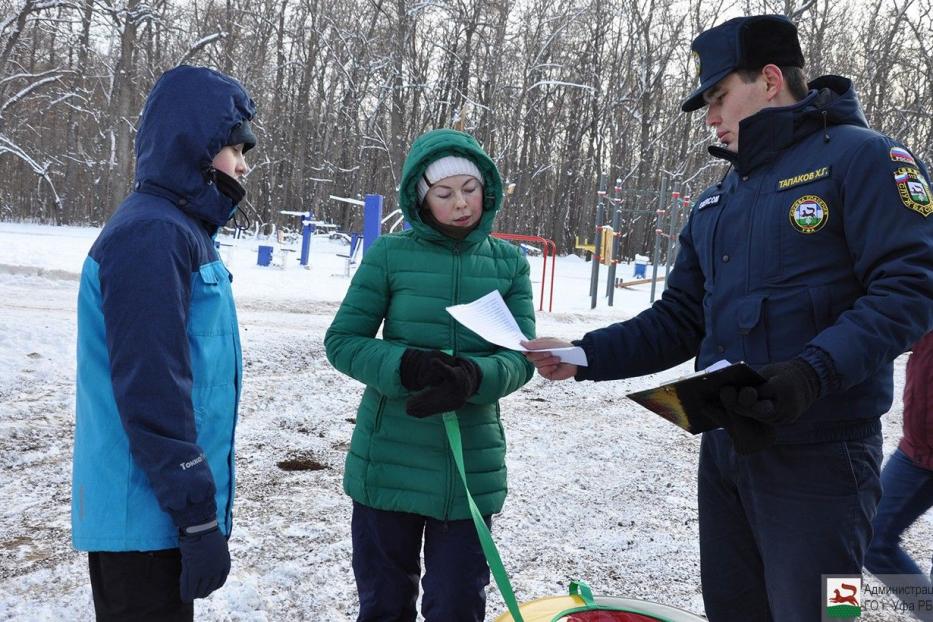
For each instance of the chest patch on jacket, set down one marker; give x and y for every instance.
(713, 200)
(809, 213)
(803, 178)
(913, 189)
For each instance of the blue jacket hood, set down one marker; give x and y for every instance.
(187, 120)
(831, 101)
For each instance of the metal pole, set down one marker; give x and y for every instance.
(372, 219)
(307, 231)
(553, 246)
(672, 214)
(614, 258)
(676, 210)
(657, 231)
(597, 233)
(544, 250)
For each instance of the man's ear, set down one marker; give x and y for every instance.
(774, 81)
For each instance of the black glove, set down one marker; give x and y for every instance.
(415, 367)
(450, 384)
(789, 390)
(748, 435)
(205, 562)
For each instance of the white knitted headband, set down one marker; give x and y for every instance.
(447, 166)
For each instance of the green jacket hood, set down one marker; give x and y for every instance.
(432, 146)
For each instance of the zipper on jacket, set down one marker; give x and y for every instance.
(456, 301)
(751, 227)
(449, 501)
(238, 353)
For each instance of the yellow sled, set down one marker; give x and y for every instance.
(581, 606)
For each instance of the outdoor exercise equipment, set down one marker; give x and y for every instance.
(606, 241)
(372, 216)
(351, 254)
(607, 248)
(676, 207)
(549, 249)
(308, 227)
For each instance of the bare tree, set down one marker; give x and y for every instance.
(559, 92)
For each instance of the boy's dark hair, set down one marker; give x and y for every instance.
(794, 79)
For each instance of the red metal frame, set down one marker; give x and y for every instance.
(547, 246)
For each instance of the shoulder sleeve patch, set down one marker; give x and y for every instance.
(914, 190)
(899, 154)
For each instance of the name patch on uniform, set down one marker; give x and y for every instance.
(803, 178)
(899, 154)
(809, 213)
(913, 189)
(713, 200)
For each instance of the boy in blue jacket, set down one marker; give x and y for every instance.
(159, 366)
(811, 261)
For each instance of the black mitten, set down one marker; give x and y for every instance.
(789, 390)
(451, 385)
(415, 369)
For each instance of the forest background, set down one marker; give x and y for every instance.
(560, 92)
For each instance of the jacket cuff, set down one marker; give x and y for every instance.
(195, 514)
(487, 389)
(584, 373)
(822, 364)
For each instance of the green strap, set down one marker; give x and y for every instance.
(485, 538)
(581, 589)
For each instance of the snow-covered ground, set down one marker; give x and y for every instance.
(600, 489)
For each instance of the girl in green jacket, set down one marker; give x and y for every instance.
(399, 471)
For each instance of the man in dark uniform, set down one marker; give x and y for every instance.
(812, 260)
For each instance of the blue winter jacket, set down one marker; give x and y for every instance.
(818, 243)
(159, 363)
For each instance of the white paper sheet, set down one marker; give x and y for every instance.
(491, 319)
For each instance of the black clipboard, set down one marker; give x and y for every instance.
(683, 401)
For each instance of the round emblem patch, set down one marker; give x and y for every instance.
(809, 213)
(913, 189)
(696, 62)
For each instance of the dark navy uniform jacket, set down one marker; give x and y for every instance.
(159, 366)
(818, 243)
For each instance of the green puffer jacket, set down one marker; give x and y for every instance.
(397, 462)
